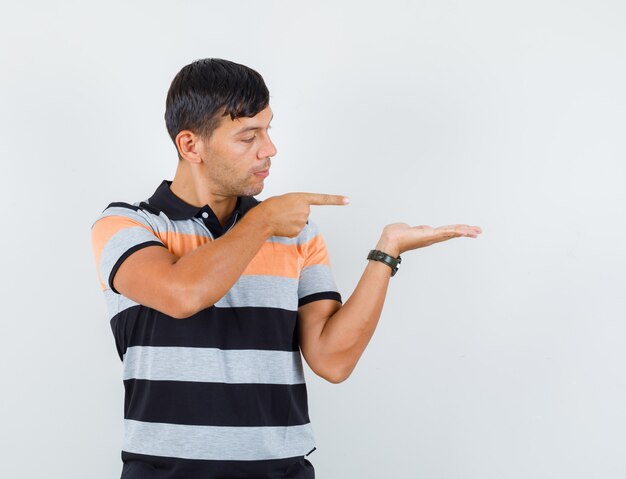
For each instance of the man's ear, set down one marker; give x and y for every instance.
(189, 146)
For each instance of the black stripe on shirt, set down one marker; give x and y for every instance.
(317, 296)
(141, 466)
(120, 204)
(215, 404)
(224, 328)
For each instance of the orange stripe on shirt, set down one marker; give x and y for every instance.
(180, 244)
(314, 252)
(276, 259)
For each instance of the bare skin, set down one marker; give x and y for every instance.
(233, 162)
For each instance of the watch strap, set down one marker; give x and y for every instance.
(390, 261)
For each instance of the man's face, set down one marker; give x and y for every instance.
(236, 157)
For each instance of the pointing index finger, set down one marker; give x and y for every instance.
(321, 199)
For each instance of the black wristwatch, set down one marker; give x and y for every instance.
(385, 258)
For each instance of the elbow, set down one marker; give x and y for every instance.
(181, 313)
(179, 308)
(185, 302)
(333, 367)
(187, 306)
(336, 379)
(335, 375)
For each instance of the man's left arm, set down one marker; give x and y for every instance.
(333, 337)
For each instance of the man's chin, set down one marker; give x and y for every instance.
(253, 190)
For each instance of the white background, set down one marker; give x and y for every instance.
(499, 357)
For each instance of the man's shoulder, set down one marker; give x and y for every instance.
(123, 205)
(139, 211)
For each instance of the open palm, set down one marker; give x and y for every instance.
(408, 237)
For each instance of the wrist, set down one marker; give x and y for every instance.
(392, 262)
(387, 246)
(260, 219)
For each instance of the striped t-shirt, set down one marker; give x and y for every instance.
(221, 393)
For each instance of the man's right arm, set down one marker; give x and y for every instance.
(180, 287)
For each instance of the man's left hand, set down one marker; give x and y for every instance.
(400, 237)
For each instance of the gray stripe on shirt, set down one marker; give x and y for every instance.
(118, 244)
(159, 223)
(217, 442)
(247, 366)
(316, 278)
(262, 291)
(116, 303)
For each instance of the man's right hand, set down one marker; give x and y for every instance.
(287, 214)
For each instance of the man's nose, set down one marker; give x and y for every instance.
(267, 150)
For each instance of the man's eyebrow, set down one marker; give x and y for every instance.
(250, 128)
(243, 130)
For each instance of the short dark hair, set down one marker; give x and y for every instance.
(206, 90)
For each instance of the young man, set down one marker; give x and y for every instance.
(213, 295)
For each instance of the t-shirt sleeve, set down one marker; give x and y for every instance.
(316, 279)
(120, 230)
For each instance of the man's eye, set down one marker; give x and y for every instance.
(248, 140)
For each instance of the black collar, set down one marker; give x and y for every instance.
(176, 209)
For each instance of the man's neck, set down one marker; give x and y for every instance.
(196, 191)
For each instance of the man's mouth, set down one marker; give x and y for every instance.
(262, 173)
(265, 171)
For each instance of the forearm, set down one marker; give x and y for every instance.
(208, 272)
(347, 333)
